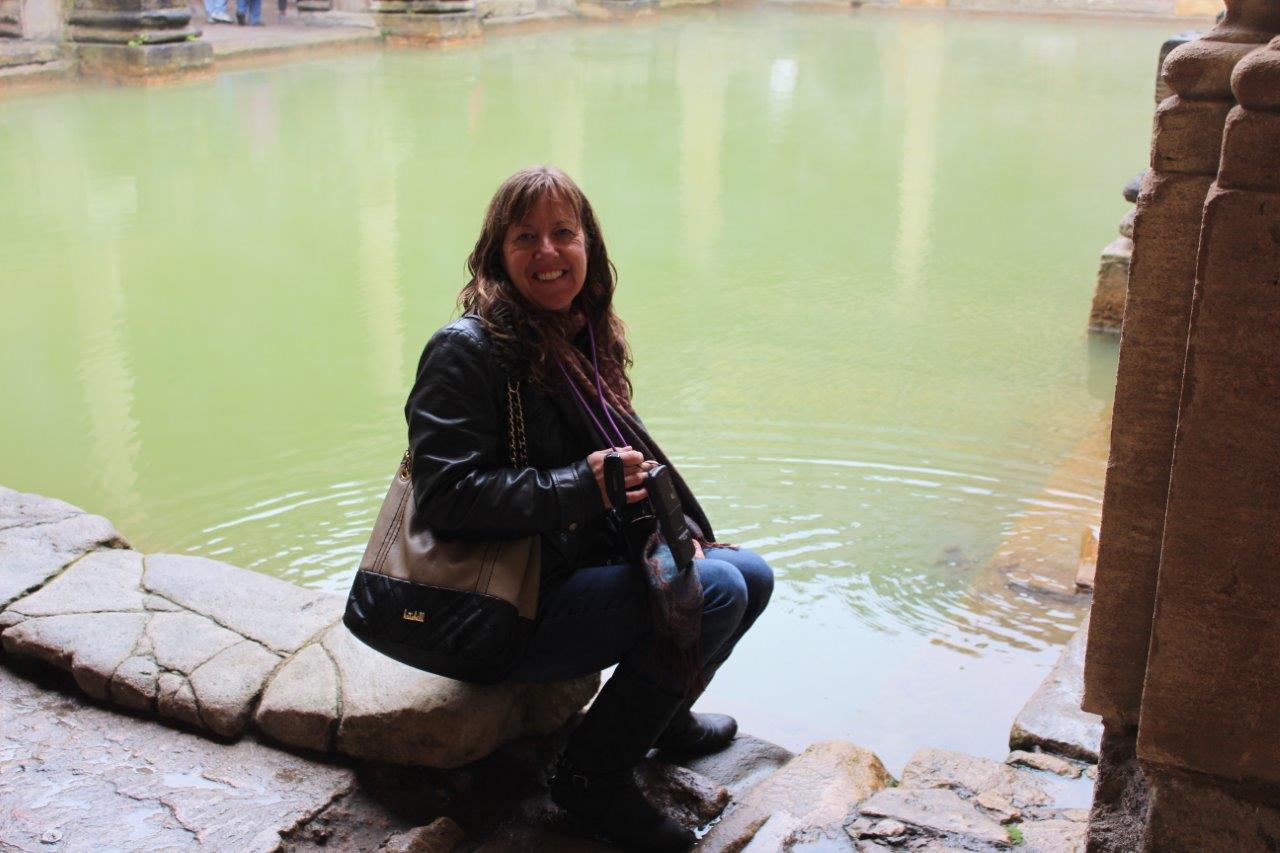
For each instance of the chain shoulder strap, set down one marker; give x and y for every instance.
(517, 444)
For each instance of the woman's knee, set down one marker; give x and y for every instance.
(724, 592)
(756, 573)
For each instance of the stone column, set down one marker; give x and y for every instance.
(1166, 229)
(429, 22)
(137, 40)
(1149, 385)
(1209, 731)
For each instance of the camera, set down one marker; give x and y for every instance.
(664, 505)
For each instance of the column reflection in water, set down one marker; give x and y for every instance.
(105, 373)
(378, 239)
(701, 76)
(921, 46)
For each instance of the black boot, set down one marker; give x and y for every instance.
(594, 780)
(692, 735)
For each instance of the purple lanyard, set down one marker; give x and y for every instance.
(582, 401)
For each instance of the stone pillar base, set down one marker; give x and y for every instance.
(1111, 290)
(125, 63)
(627, 8)
(416, 30)
(10, 19)
(1118, 820)
(1193, 812)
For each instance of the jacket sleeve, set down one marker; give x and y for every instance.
(462, 480)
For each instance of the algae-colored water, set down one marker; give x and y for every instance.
(856, 257)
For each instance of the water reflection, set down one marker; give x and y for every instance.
(105, 374)
(702, 76)
(922, 48)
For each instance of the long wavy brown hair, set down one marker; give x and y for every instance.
(544, 337)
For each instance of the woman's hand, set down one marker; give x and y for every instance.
(634, 466)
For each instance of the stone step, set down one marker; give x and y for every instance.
(17, 52)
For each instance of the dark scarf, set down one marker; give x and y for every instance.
(675, 595)
(675, 592)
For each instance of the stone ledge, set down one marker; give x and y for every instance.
(1052, 720)
(222, 649)
(39, 536)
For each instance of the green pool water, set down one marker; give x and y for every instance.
(855, 257)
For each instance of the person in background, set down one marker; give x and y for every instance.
(249, 11)
(215, 12)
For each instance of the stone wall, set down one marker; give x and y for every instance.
(1183, 661)
(1201, 9)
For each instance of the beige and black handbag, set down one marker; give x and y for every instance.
(456, 608)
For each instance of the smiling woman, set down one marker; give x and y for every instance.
(545, 254)
(540, 354)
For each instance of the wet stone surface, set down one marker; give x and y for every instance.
(95, 780)
(1052, 720)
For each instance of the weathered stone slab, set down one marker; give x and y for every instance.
(742, 765)
(936, 810)
(300, 705)
(273, 612)
(39, 535)
(135, 683)
(176, 699)
(687, 797)
(198, 641)
(89, 645)
(392, 712)
(973, 776)
(97, 582)
(819, 787)
(183, 641)
(1052, 720)
(1044, 761)
(104, 781)
(777, 835)
(94, 620)
(1054, 836)
(442, 835)
(226, 686)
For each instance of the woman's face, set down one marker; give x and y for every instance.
(546, 255)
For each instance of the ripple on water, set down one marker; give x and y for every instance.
(906, 531)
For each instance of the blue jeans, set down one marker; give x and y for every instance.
(600, 617)
(251, 8)
(215, 9)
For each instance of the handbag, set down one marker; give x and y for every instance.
(461, 609)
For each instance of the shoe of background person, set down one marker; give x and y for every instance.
(240, 18)
(221, 19)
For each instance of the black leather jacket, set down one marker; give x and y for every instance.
(464, 484)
